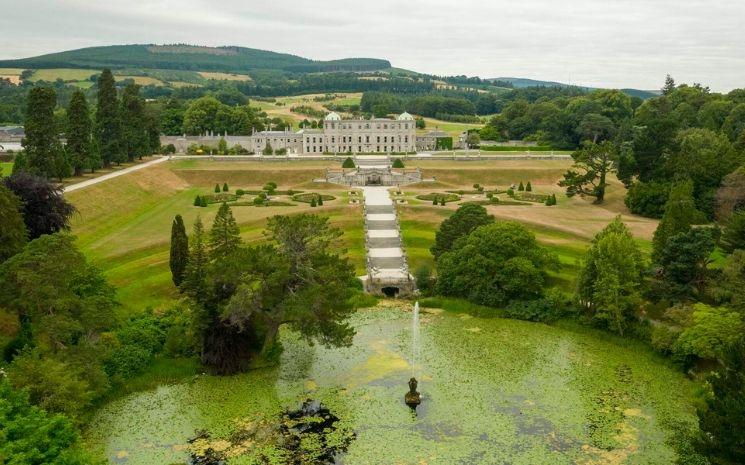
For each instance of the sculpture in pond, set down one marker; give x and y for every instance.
(413, 398)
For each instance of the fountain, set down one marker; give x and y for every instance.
(413, 398)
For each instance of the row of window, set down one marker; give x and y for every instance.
(351, 148)
(367, 125)
(346, 139)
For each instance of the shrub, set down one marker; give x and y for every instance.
(217, 188)
(442, 201)
(127, 361)
(313, 202)
(435, 200)
(240, 192)
(320, 201)
(398, 163)
(528, 187)
(449, 197)
(225, 187)
(197, 201)
(282, 151)
(552, 307)
(307, 197)
(348, 163)
(521, 187)
(202, 202)
(511, 192)
(423, 278)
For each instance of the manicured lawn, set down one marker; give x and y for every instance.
(124, 225)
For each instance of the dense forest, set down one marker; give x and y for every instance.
(190, 57)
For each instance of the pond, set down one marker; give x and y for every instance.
(493, 391)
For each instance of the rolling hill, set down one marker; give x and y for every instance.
(190, 57)
(519, 83)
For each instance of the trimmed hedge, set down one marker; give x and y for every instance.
(219, 198)
(517, 148)
(310, 196)
(447, 197)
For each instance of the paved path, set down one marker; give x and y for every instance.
(106, 177)
(385, 256)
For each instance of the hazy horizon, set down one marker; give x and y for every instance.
(616, 43)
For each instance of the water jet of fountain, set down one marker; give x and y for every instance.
(413, 398)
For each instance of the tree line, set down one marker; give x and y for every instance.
(118, 129)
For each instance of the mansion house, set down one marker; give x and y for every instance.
(377, 135)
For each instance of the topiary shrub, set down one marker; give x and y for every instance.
(203, 202)
(240, 192)
(225, 187)
(313, 202)
(521, 187)
(442, 201)
(435, 200)
(528, 187)
(348, 163)
(217, 188)
(398, 163)
(320, 201)
(197, 201)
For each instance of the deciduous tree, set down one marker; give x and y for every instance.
(13, 233)
(609, 284)
(45, 210)
(460, 224)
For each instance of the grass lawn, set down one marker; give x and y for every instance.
(6, 168)
(66, 74)
(453, 129)
(124, 224)
(566, 229)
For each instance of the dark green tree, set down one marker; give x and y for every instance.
(494, 265)
(225, 187)
(79, 148)
(134, 130)
(13, 233)
(179, 256)
(348, 163)
(225, 236)
(521, 187)
(30, 436)
(595, 162)
(195, 279)
(609, 284)
(197, 201)
(528, 187)
(398, 163)
(108, 135)
(669, 86)
(217, 188)
(43, 152)
(722, 421)
(684, 262)
(680, 214)
(460, 224)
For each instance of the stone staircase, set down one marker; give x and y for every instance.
(387, 270)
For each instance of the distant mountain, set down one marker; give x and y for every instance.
(191, 57)
(519, 83)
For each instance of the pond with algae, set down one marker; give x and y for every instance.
(493, 391)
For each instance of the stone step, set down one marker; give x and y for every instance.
(382, 233)
(383, 242)
(378, 209)
(381, 225)
(381, 217)
(388, 263)
(385, 252)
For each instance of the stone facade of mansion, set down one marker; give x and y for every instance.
(338, 136)
(378, 135)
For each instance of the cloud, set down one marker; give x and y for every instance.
(612, 43)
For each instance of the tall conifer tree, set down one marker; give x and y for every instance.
(225, 234)
(108, 136)
(134, 129)
(43, 152)
(78, 134)
(195, 278)
(179, 258)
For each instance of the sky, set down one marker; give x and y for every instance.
(599, 43)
